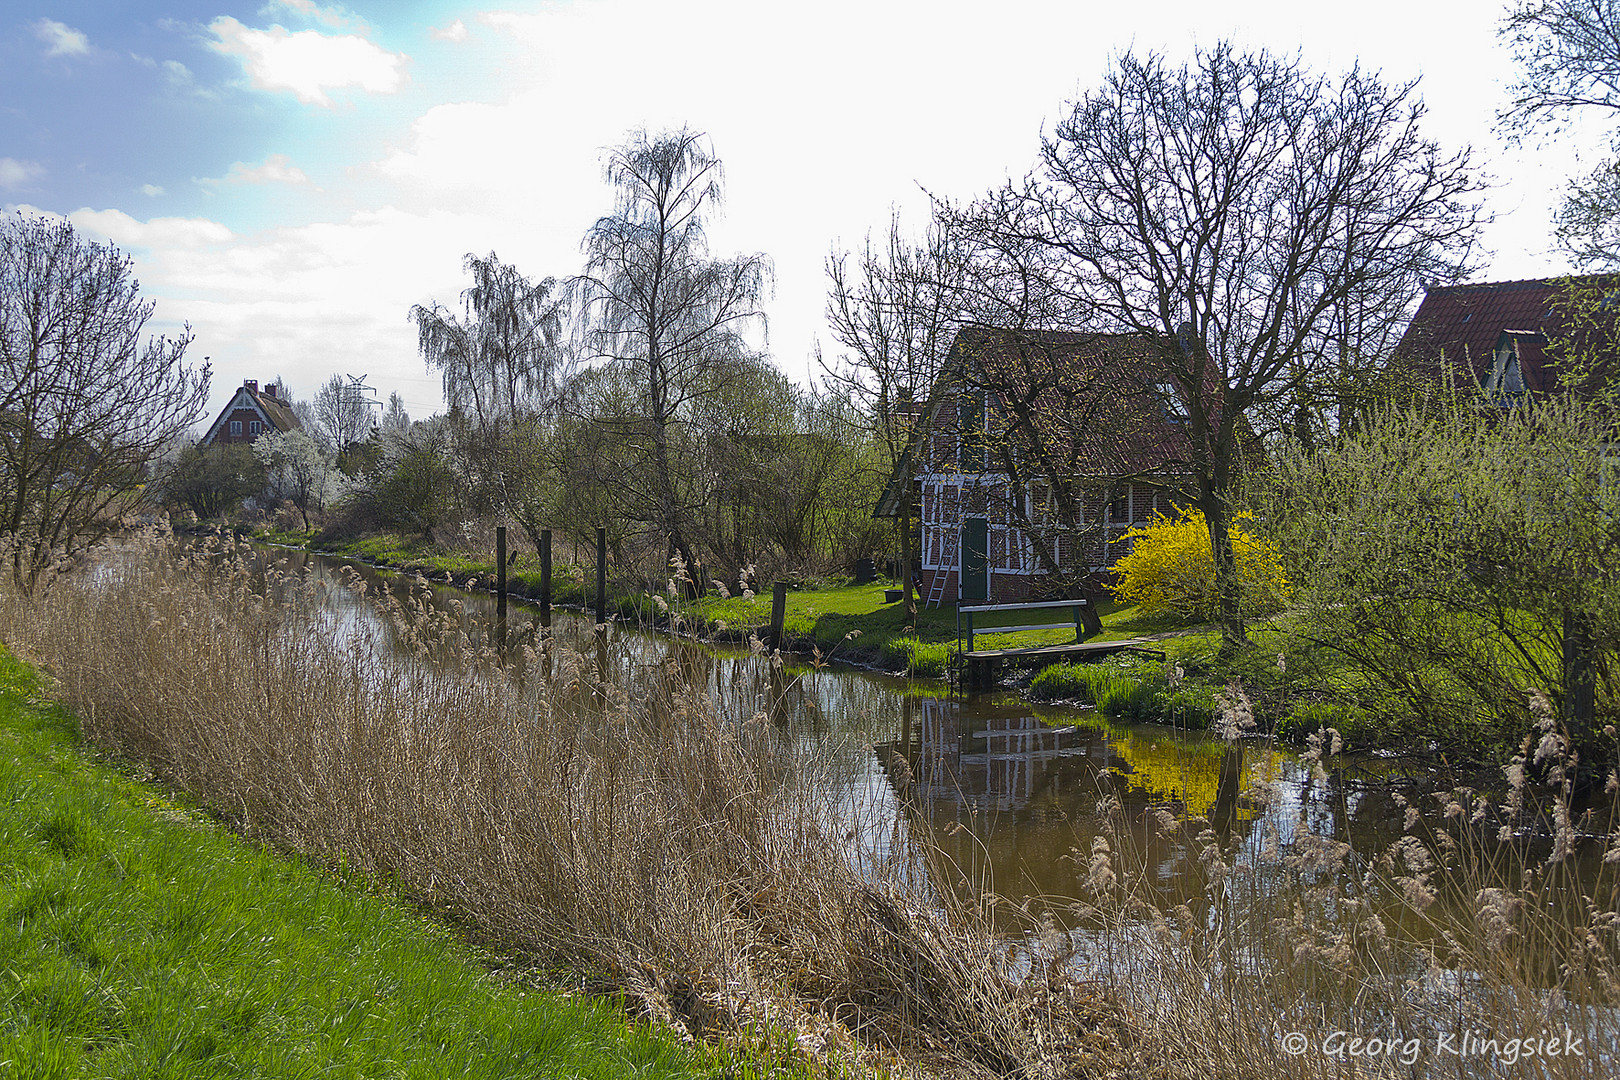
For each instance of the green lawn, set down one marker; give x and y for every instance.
(820, 618)
(137, 938)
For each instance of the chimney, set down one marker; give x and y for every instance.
(271, 391)
(250, 385)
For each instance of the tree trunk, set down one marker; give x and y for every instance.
(906, 555)
(1228, 590)
(1580, 682)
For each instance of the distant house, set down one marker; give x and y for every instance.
(1019, 423)
(1511, 337)
(252, 412)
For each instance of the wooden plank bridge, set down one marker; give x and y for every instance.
(979, 666)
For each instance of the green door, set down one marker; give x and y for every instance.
(976, 559)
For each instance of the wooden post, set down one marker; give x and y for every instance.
(778, 612)
(601, 575)
(500, 584)
(545, 576)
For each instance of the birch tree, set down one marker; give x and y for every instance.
(653, 302)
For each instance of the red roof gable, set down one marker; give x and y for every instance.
(1457, 328)
(1101, 400)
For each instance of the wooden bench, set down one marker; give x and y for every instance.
(979, 665)
(1084, 620)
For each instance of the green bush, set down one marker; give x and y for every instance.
(1356, 727)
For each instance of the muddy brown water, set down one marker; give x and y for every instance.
(1012, 793)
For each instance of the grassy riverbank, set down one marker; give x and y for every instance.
(843, 621)
(1297, 685)
(733, 871)
(140, 938)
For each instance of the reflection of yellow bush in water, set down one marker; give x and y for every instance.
(1170, 569)
(1188, 772)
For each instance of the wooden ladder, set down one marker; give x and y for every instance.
(950, 543)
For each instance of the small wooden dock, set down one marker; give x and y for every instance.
(979, 666)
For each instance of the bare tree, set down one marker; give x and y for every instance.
(87, 403)
(655, 303)
(1230, 209)
(895, 313)
(341, 413)
(394, 417)
(1569, 51)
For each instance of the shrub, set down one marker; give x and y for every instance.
(1354, 724)
(1170, 569)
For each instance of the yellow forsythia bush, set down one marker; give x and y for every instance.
(1170, 569)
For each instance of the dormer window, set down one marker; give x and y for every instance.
(1506, 375)
(973, 444)
(1170, 400)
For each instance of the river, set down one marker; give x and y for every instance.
(1013, 793)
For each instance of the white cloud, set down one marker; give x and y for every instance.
(158, 234)
(60, 39)
(153, 190)
(14, 173)
(308, 63)
(334, 16)
(456, 31)
(304, 301)
(276, 169)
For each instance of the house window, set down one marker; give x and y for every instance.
(1170, 400)
(1119, 509)
(973, 447)
(236, 429)
(255, 427)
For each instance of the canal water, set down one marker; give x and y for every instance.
(1013, 794)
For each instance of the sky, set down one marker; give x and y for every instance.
(290, 177)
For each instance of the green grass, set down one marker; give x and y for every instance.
(139, 939)
(1128, 692)
(816, 618)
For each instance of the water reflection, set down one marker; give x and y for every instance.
(1011, 794)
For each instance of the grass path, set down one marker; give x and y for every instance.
(137, 938)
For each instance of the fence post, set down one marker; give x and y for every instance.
(601, 575)
(778, 612)
(545, 574)
(500, 584)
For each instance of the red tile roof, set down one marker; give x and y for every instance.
(1457, 327)
(1100, 392)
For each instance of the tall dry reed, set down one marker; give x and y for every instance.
(1483, 942)
(615, 823)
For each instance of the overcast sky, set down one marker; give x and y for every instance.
(291, 177)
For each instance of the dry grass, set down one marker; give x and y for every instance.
(617, 820)
(618, 825)
(1488, 919)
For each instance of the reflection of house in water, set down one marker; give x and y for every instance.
(1009, 800)
(990, 759)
